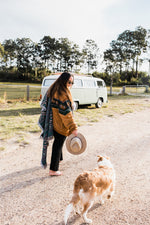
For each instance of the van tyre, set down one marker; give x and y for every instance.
(99, 103)
(75, 105)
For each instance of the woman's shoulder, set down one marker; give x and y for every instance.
(63, 97)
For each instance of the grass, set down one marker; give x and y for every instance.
(11, 91)
(132, 89)
(117, 105)
(18, 118)
(14, 91)
(2, 148)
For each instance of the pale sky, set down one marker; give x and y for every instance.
(78, 20)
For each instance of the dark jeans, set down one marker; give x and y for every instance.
(57, 150)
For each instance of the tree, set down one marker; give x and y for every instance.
(24, 50)
(110, 61)
(47, 50)
(134, 43)
(126, 49)
(140, 44)
(64, 53)
(10, 51)
(1, 51)
(90, 54)
(36, 61)
(76, 58)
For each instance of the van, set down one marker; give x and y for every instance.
(86, 90)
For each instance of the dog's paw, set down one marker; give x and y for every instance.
(102, 202)
(77, 210)
(108, 196)
(88, 220)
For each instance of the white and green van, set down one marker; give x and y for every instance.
(86, 90)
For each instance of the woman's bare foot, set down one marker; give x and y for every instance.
(55, 173)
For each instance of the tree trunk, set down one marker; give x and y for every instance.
(111, 84)
(136, 73)
(88, 67)
(35, 72)
(149, 68)
(120, 68)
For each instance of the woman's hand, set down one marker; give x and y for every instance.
(75, 132)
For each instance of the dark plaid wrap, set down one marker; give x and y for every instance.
(46, 124)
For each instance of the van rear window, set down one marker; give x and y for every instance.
(89, 83)
(48, 82)
(100, 84)
(77, 83)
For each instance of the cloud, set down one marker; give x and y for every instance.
(76, 19)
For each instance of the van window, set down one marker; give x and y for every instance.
(100, 83)
(89, 83)
(77, 83)
(48, 82)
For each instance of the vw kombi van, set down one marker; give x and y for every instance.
(86, 90)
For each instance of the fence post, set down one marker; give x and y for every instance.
(28, 91)
(146, 88)
(123, 90)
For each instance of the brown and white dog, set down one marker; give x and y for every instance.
(90, 184)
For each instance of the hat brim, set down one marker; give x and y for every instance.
(83, 140)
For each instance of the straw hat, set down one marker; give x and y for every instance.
(76, 144)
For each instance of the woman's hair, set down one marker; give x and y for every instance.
(60, 85)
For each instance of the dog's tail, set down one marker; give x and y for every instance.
(75, 199)
(67, 212)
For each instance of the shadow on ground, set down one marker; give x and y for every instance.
(76, 217)
(16, 184)
(16, 112)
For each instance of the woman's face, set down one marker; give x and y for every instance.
(70, 82)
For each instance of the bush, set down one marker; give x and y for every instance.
(126, 78)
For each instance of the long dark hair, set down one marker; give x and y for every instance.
(60, 85)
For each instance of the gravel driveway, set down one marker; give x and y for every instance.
(28, 196)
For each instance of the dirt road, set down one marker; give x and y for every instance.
(28, 196)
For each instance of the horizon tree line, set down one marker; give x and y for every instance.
(50, 54)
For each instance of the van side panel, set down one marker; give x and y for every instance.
(77, 95)
(102, 93)
(47, 82)
(86, 90)
(101, 90)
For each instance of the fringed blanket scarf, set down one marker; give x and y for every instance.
(46, 124)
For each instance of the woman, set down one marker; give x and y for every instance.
(63, 122)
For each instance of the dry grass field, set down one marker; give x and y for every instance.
(120, 130)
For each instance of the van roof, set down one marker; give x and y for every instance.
(56, 75)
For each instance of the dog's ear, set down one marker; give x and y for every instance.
(100, 158)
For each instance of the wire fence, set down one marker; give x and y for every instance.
(14, 92)
(135, 90)
(139, 90)
(32, 92)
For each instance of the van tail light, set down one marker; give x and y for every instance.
(40, 97)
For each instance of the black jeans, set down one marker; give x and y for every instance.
(57, 150)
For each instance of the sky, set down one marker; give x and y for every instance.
(77, 20)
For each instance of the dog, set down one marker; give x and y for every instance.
(89, 185)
